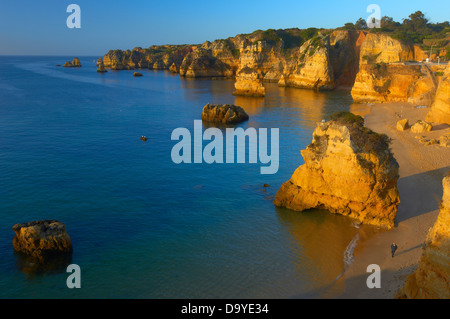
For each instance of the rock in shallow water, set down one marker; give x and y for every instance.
(42, 239)
(224, 113)
(349, 170)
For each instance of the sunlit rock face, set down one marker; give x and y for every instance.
(249, 83)
(348, 170)
(440, 110)
(42, 239)
(431, 278)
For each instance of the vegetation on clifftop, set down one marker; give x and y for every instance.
(416, 29)
(363, 137)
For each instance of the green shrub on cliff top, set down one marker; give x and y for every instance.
(363, 137)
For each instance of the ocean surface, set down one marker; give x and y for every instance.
(141, 225)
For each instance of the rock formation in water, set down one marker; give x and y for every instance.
(154, 57)
(74, 64)
(376, 66)
(42, 239)
(101, 66)
(249, 83)
(431, 278)
(200, 63)
(291, 57)
(349, 170)
(224, 113)
(440, 110)
(137, 74)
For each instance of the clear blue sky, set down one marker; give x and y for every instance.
(38, 27)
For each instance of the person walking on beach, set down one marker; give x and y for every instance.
(393, 249)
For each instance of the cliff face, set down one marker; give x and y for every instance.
(381, 82)
(440, 110)
(373, 65)
(155, 57)
(430, 280)
(348, 170)
(384, 76)
(292, 57)
(249, 83)
(378, 48)
(312, 68)
(345, 49)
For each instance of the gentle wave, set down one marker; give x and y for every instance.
(348, 253)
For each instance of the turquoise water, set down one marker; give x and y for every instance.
(142, 226)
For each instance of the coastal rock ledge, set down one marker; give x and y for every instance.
(349, 170)
(224, 113)
(42, 239)
(430, 280)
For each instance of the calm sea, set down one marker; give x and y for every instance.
(142, 226)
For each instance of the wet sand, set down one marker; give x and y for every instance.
(422, 169)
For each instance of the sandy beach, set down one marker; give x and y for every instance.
(422, 169)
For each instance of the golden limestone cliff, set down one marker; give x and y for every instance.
(291, 57)
(249, 83)
(431, 278)
(312, 68)
(440, 110)
(349, 170)
(154, 57)
(376, 66)
(385, 76)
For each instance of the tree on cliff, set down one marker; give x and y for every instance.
(361, 24)
(417, 23)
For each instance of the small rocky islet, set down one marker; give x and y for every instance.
(42, 239)
(223, 114)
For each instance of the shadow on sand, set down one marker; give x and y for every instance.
(417, 200)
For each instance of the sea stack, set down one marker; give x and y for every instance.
(224, 113)
(101, 66)
(349, 170)
(249, 83)
(430, 280)
(76, 63)
(42, 239)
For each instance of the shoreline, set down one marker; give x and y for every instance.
(422, 169)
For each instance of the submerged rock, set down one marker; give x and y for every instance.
(224, 113)
(74, 64)
(430, 280)
(349, 170)
(42, 239)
